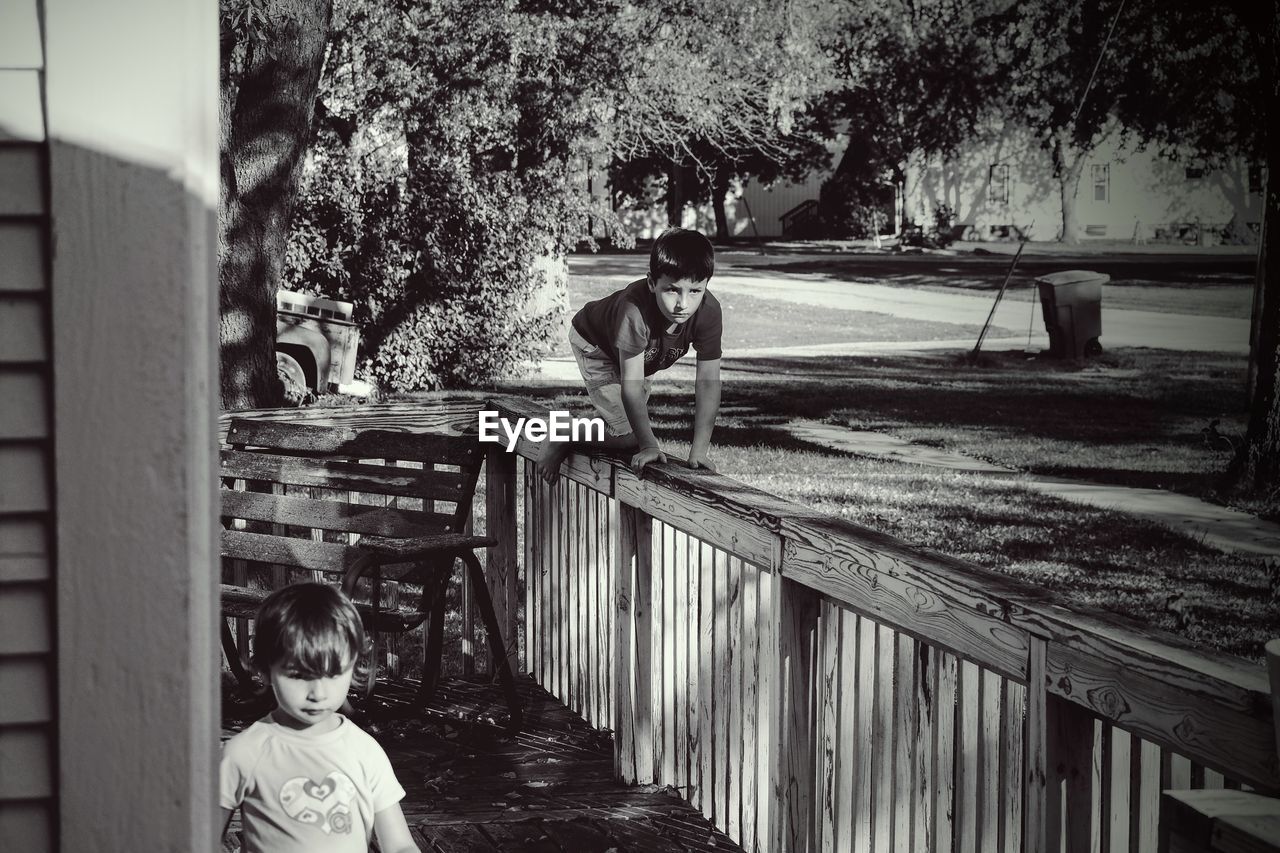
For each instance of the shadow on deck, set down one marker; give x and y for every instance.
(472, 787)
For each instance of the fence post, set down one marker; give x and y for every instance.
(633, 630)
(501, 565)
(1071, 758)
(794, 767)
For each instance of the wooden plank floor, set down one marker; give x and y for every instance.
(472, 787)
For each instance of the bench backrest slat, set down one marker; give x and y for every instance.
(318, 441)
(331, 557)
(333, 515)
(331, 474)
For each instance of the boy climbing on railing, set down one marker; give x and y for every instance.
(623, 339)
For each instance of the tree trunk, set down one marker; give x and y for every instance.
(266, 111)
(1257, 464)
(1068, 176)
(720, 189)
(675, 195)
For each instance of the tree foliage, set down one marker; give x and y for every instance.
(441, 198)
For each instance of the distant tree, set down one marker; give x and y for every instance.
(1204, 82)
(913, 77)
(712, 92)
(271, 57)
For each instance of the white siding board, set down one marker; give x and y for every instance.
(22, 334)
(23, 485)
(27, 826)
(24, 763)
(20, 35)
(21, 116)
(20, 191)
(27, 690)
(24, 413)
(23, 554)
(21, 257)
(25, 619)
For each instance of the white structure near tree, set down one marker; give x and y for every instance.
(109, 701)
(1004, 186)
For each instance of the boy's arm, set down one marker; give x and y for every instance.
(393, 831)
(637, 409)
(705, 408)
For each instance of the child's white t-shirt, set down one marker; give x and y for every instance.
(306, 793)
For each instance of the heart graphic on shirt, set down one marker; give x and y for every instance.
(325, 804)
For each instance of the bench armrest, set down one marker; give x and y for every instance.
(420, 546)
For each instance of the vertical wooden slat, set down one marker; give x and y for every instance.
(1105, 746)
(578, 606)
(882, 743)
(848, 756)
(733, 719)
(678, 657)
(989, 708)
(1012, 727)
(693, 670)
(624, 640)
(532, 534)
(829, 694)
(752, 778)
(945, 745)
(664, 720)
(863, 816)
(706, 677)
(1035, 754)
(604, 605)
(767, 751)
(642, 614)
(797, 641)
(721, 675)
(925, 693)
(501, 568)
(904, 727)
(968, 783)
(1149, 803)
(1071, 758)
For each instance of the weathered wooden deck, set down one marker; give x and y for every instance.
(472, 787)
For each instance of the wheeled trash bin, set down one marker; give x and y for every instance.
(1072, 305)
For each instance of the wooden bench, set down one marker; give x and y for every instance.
(328, 503)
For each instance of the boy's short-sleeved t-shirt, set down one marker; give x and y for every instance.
(628, 321)
(304, 793)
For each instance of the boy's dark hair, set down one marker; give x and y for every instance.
(682, 254)
(312, 627)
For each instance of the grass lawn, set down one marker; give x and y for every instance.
(1132, 417)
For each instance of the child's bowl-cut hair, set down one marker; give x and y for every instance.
(311, 627)
(682, 254)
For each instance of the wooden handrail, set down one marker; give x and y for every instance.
(1214, 709)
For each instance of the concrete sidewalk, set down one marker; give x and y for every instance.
(1217, 526)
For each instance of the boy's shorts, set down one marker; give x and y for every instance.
(604, 386)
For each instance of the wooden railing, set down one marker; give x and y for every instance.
(811, 684)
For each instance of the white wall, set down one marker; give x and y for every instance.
(132, 114)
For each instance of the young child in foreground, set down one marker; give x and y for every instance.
(623, 339)
(305, 777)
